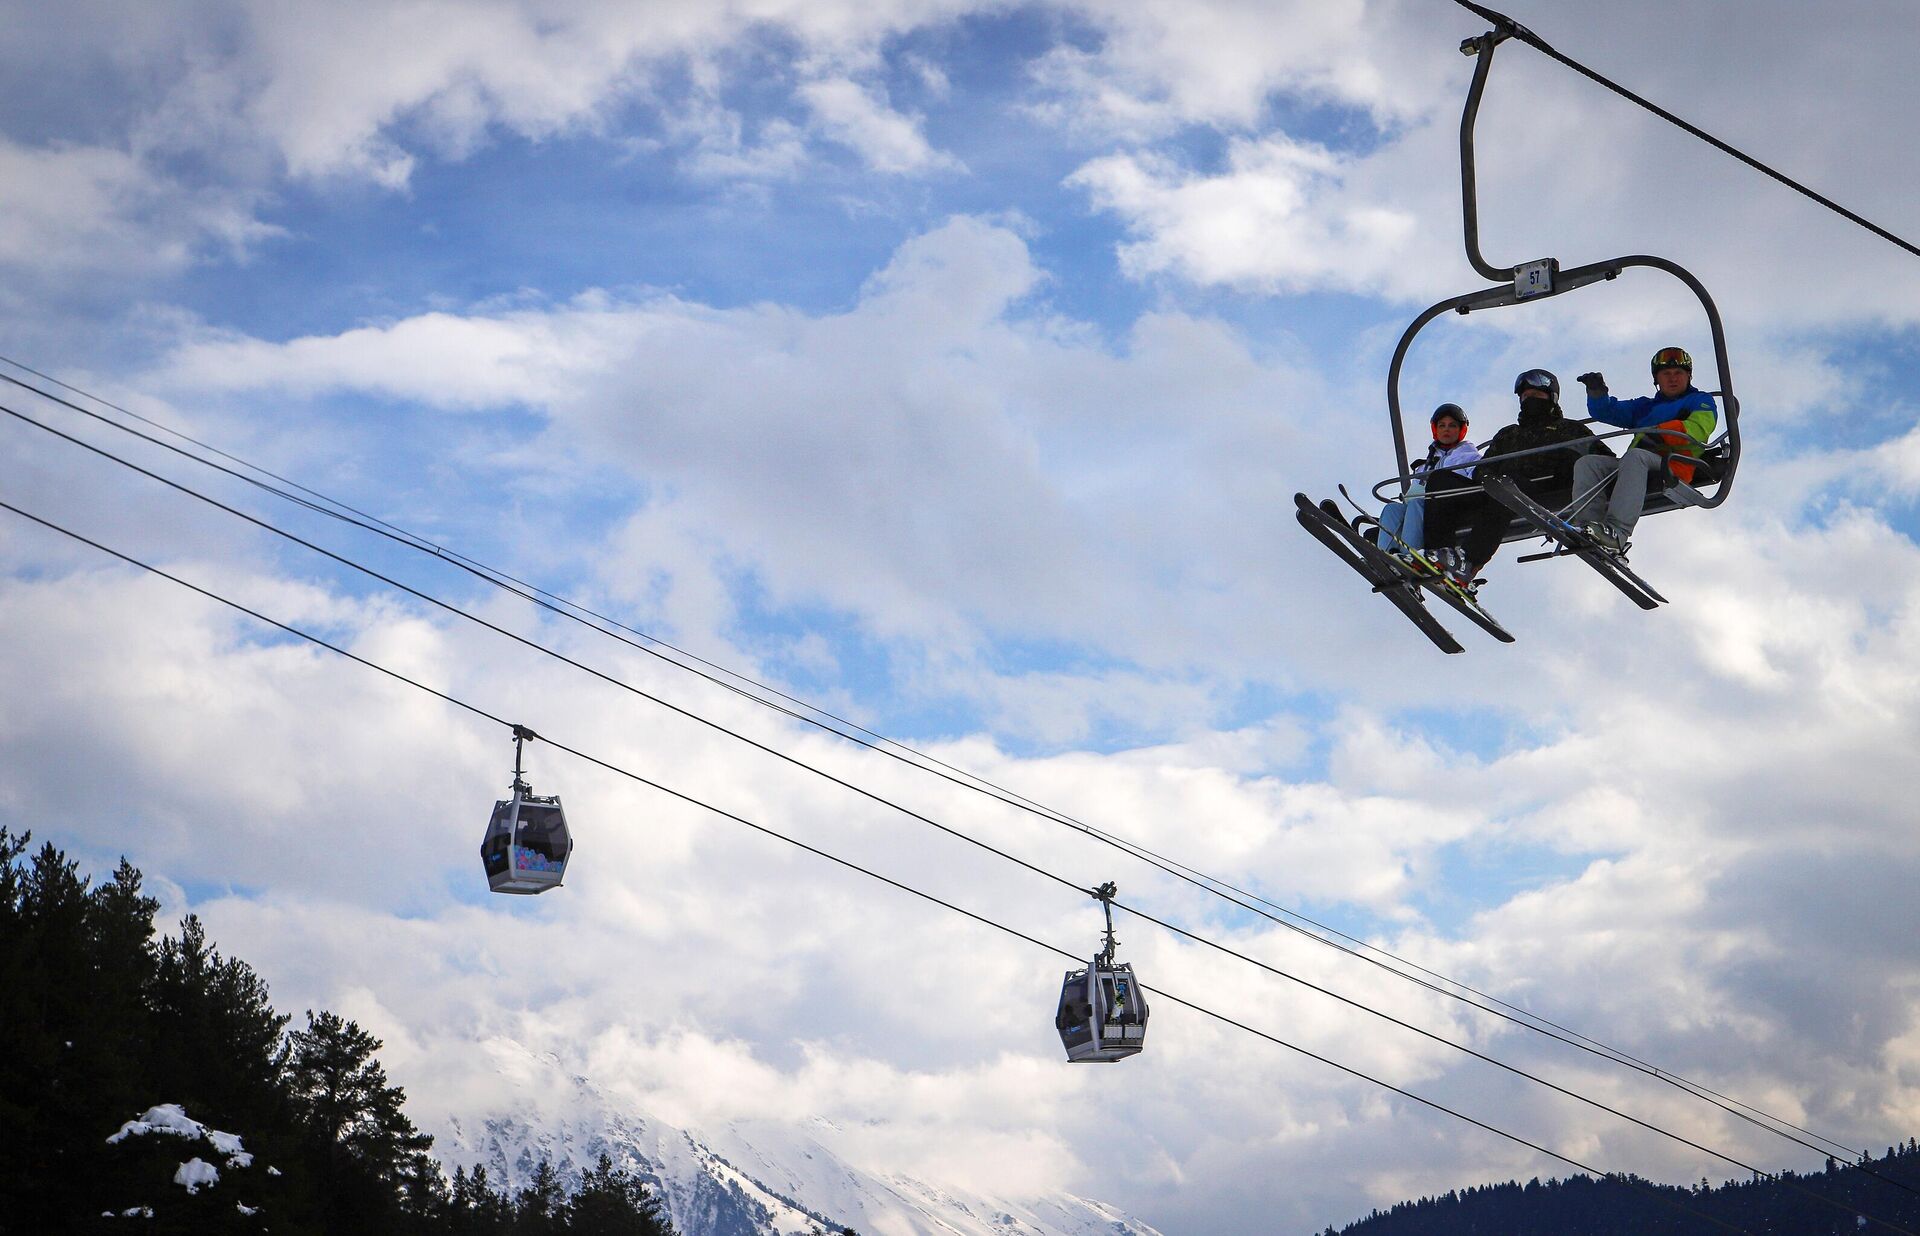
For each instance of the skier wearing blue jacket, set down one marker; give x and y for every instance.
(1676, 418)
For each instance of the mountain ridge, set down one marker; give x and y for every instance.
(747, 1178)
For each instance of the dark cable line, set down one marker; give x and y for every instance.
(880, 799)
(478, 711)
(536, 646)
(1513, 1013)
(1598, 1049)
(1506, 25)
(1501, 22)
(419, 542)
(357, 518)
(1780, 1178)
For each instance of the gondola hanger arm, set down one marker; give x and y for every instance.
(1105, 894)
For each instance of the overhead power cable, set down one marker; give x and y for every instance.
(1505, 1011)
(917, 816)
(1506, 25)
(850, 865)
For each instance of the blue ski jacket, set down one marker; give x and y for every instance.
(1691, 413)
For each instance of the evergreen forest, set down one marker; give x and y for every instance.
(1868, 1195)
(133, 1063)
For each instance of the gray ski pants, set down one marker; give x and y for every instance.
(1621, 508)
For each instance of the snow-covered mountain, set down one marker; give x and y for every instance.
(746, 1179)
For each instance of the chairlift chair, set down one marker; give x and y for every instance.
(1525, 282)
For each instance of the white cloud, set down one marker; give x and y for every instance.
(365, 99)
(99, 210)
(250, 96)
(721, 148)
(1564, 168)
(984, 454)
(1266, 222)
(858, 118)
(1164, 64)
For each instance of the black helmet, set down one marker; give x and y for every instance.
(1452, 410)
(1672, 358)
(1537, 380)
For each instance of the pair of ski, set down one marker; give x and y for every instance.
(1402, 582)
(1569, 540)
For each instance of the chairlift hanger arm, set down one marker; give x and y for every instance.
(1481, 49)
(1538, 281)
(1505, 27)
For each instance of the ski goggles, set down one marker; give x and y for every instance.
(1534, 379)
(1672, 358)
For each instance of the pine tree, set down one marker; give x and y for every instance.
(536, 1211)
(208, 1007)
(612, 1202)
(474, 1208)
(33, 1181)
(365, 1146)
(76, 963)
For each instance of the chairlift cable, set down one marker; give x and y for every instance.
(1617, 1057)
(536, 646)
(1504, 24)
(357, 518)
(1441, 1039)
(555, 604)
(563, 607)
(910, 813)
(849, 864)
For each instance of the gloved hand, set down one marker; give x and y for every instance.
(1594, 382)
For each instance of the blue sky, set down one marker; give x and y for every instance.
(952, 365)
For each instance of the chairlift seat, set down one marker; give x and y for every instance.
(1665, 491)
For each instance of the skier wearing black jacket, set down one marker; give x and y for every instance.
(1475, 523)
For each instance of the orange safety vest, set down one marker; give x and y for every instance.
(1667, 437)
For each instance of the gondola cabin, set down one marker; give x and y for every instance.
(527, 844)
(1103, 1013)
